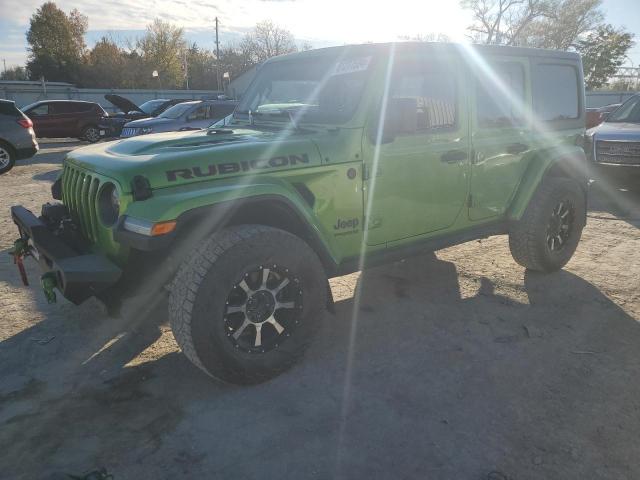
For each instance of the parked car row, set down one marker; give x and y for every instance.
(612, 140)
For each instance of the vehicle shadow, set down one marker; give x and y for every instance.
(413, 377)
(618, 195)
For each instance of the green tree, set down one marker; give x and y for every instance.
(15, 73)
(162, 49)
(105, 65)
(56, 43)
(201, 68)
(603, 52)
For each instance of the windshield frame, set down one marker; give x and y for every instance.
(281, 114)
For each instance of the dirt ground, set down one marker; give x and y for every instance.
(450, 366)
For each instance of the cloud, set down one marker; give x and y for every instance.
(319, 22)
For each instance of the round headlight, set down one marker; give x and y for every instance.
(109, 204)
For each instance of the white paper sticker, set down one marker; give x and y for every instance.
(351, 65)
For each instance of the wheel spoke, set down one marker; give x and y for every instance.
(284, 305)
(258, 342)
(559, 238)
(276, 290)
(265, 277)
(243, 285)
(272, 320)
(241, 329)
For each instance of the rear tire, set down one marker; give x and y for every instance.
(91, 134)
(548, 233)
(245, 305)
(7, 157)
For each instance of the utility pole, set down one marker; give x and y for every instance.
(217, 57)
(4, 63)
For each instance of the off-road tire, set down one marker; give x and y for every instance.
(528, 238)
(201, 288)
(91, 134)
(8, 157)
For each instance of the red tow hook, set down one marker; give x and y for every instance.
(19, 251)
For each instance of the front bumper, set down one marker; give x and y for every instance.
(79, 275)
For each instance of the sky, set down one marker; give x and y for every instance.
(318, 22)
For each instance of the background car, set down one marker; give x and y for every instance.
(595, 116)
(111, 126)
(66, 118)
(614, 145)
(183, 116)
(17, 138)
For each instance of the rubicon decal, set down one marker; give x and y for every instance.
(235, 167)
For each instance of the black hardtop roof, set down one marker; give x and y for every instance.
(381, 48)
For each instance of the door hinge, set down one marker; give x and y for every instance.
(365, 172)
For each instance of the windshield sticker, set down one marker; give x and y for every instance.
(351, 65)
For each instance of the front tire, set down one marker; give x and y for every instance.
(547, 236)
(91, 134)
(245, 305)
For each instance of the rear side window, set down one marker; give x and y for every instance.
(431, 87)
(73, 107)
(8, 108)
(40, 110)
(500, 96)
(555, 92)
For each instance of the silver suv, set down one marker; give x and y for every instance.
(17, 138)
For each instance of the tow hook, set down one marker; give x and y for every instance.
(18, 252)
(49, 282)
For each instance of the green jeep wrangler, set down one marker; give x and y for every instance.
(334, 160)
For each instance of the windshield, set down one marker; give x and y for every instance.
(627, 112)
(316, 90)
(177, 110)
(150, 106)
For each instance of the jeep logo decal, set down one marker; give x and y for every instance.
(235, 167)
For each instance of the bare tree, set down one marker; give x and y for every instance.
(503, 21)
(267, 40)
(565, 23)
(553, 24)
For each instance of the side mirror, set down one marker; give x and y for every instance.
(400, 118)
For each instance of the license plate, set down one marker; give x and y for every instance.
(102, 133)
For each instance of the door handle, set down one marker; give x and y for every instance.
(517, 148)
(454, 156)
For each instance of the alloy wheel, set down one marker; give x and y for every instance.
(263, 309)
(92, 134)
(560, 226)
(5, 158)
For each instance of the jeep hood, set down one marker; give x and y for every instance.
(178, 158)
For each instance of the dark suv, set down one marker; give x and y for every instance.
(17, 140)
(66, 118)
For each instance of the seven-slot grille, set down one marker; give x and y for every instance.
(129, 132)
(624, 153)
(79, 192)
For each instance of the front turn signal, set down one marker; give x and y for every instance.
(163, 228)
